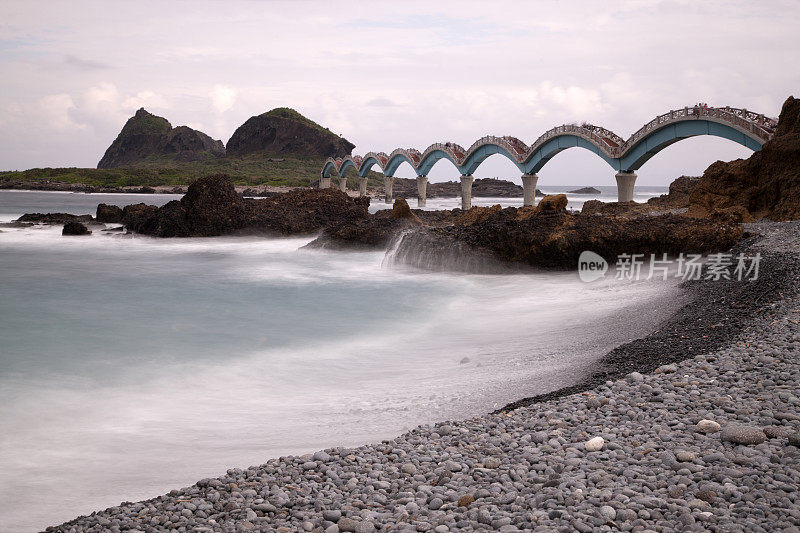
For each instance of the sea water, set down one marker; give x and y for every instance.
(130, 365)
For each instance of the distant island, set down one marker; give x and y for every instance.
(585, 190)
(280, 147)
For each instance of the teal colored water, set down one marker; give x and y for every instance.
(130, 365)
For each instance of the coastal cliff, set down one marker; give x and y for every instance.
(284, 131)
(149, 137)
(766, 185)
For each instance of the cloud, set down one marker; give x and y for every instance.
(382, 102)
(84, 64)
(55, 109)
(223, 97)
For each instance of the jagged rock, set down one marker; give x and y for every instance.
(135, 214)
(556, 239)
(614, 209)
(75, 228)
(767, 184)
(212, 207)
(147, 136)
(285, 131)
(108, 213)
(679, 191)
(400, 209)
(477, 214)
(552, 203)
(733, 214)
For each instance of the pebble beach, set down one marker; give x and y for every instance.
(684, 430)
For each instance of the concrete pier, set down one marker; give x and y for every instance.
(422, 188)
(362, 186)
(529, 189)
(342, 184)
(325, 183)
(466, 191)
(388, 183)
(625, 183)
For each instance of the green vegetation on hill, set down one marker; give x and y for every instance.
(145, 123)
(291, 114)
(252, 169)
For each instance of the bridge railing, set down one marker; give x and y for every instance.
(612, 144)
(755, 123)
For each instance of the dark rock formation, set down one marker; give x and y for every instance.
(767, 184)
(555, 239)
(133, 215)
(585, 190)
(552, 203)
(147, 137)
(284, 131)
(615, 209)
(54, 218)
(108, 213)
(212, 207)
(494, 188)
(679, 191)
(482, 188)
(401, 210)
(75, 228)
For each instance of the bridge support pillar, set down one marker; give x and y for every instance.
(362, 186)
(422, 188)
(466, 191)
(529, 189)
(342, 184)
(625, 182)
(325, 183)
(388, 182)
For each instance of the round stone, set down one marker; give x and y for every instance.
(608, 512)
(466, 500)
(685, 457)
(594, 444)
(409, 468)
(741, 434)
(707, 426)
(491, 462)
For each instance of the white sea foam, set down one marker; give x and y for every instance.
(133, 365)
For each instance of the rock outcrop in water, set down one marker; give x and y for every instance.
(212, 207)
(75, 228)
(284, 131)
(108, 213)
(481, 188)
(555, 239)
(545, 236)
(585, 190)
(54, 218)
(767, 184)
(147, 137)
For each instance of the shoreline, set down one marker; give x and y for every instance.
(424, 488)
(716, 314)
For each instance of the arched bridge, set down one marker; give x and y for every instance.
(624, 156)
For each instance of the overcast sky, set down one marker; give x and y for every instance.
(389, 74)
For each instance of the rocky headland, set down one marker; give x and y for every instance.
(147, 136)
(284, 131)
